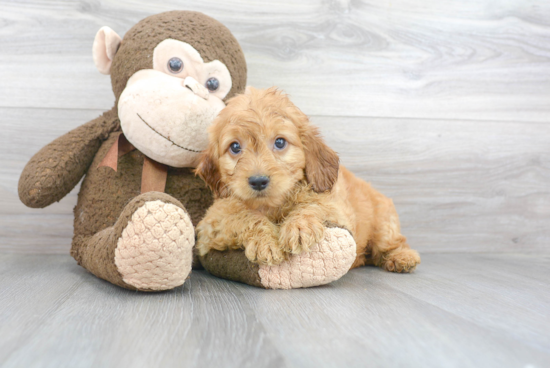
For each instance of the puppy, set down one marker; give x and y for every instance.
(277, 185)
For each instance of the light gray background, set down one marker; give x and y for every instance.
(442, 105)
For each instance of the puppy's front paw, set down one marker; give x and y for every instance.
(204, 237)
(401, 260)
(263, 249)
(299, 234)
(210, 236)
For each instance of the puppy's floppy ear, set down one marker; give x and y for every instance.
(208, 171)
(321, 161)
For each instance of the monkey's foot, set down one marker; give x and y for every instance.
(325, 262)
(154, 251)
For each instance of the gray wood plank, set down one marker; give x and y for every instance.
(204, 323)
(508, 285)
(457, 185)
(366, 321)
(467, 186)
(457, 310)
(437, 59)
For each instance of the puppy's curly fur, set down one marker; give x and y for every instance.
(307, 189)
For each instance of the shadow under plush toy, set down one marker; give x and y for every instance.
(139, 200)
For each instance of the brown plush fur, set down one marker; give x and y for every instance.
(209, 37)
(55, 170)
(307, 189)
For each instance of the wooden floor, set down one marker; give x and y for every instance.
(457, 310)
(442, 104)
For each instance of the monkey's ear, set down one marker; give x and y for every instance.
(106, 44)
(208, 170)
(321, 161)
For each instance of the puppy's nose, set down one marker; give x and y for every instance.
(258, 182)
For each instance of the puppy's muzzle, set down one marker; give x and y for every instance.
(258, 183)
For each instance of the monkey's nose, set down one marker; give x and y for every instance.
(196, 87)
(258, 183)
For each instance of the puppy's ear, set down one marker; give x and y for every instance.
(208, 171)
(321, 161)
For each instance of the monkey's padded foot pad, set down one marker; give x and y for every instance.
(325, 262)
(155, 250)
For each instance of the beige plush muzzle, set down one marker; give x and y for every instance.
(167, 118)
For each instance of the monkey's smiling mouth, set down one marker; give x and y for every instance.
(169, 140)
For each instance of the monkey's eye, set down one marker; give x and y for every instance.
(212, 84)
(175, 65)
(280, 143)
(235, 148)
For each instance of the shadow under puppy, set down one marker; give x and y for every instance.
(277, 184)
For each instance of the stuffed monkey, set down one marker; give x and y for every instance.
(139, 200)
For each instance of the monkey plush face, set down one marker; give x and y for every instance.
(171, 74)
(165, 111)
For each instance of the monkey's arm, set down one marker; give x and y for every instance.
(56, 169)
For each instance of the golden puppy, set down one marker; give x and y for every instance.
(277, 185)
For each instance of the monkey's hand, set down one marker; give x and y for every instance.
(56, 169)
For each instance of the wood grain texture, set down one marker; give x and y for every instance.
(431, 59)
(441, 105)
(457, 185)
(470, 186)
(476, 182)
(457, 310)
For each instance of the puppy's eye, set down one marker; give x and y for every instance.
(280, 143)
(175, 65)
(235, 148)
